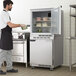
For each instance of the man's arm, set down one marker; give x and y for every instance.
(12, 25)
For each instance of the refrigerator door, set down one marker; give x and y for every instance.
(41, 21)
(41, 52)
(56, 21)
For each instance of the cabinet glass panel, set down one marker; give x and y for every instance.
(41, 22)
(46, 21)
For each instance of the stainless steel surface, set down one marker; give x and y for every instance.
(54, 27)
(70, 36)
(46, 48)
(19, 48)
(41, 50)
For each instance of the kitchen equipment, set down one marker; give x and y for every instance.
(20, 37)
(46, 42)
(19, 52)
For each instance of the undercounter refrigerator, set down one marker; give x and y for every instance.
(46, 38)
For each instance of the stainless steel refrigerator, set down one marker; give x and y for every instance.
(46, 38)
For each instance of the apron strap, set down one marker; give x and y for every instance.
(0, 34)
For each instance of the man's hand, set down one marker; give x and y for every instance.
(23, 26)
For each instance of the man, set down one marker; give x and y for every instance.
(6, 42)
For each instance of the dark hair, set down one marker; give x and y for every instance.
(7, 2)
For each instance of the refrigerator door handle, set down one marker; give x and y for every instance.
(32, 40)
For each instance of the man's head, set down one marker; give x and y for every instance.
(7, 4)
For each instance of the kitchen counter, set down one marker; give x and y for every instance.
(21, 47)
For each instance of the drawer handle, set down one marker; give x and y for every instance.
(32, 40)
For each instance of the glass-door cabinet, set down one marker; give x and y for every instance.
(46, 21)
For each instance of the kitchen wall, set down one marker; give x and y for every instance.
(21, 14)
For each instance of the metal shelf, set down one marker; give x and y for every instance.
(74, 6)
(73, 15)
(44, 21)
(71, 38)
(42, 26)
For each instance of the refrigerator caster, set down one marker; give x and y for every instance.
(32, 67)
(51, 69)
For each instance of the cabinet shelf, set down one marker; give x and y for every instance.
(74, 6)
(70, 38)
(73, 37)
(42, 27)
(72, 15)
(44, 21)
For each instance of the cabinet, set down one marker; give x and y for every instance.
(72, 22)
(46, 21)
(41, 55)
(19, 52)
(46, 52)
(46, 40)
